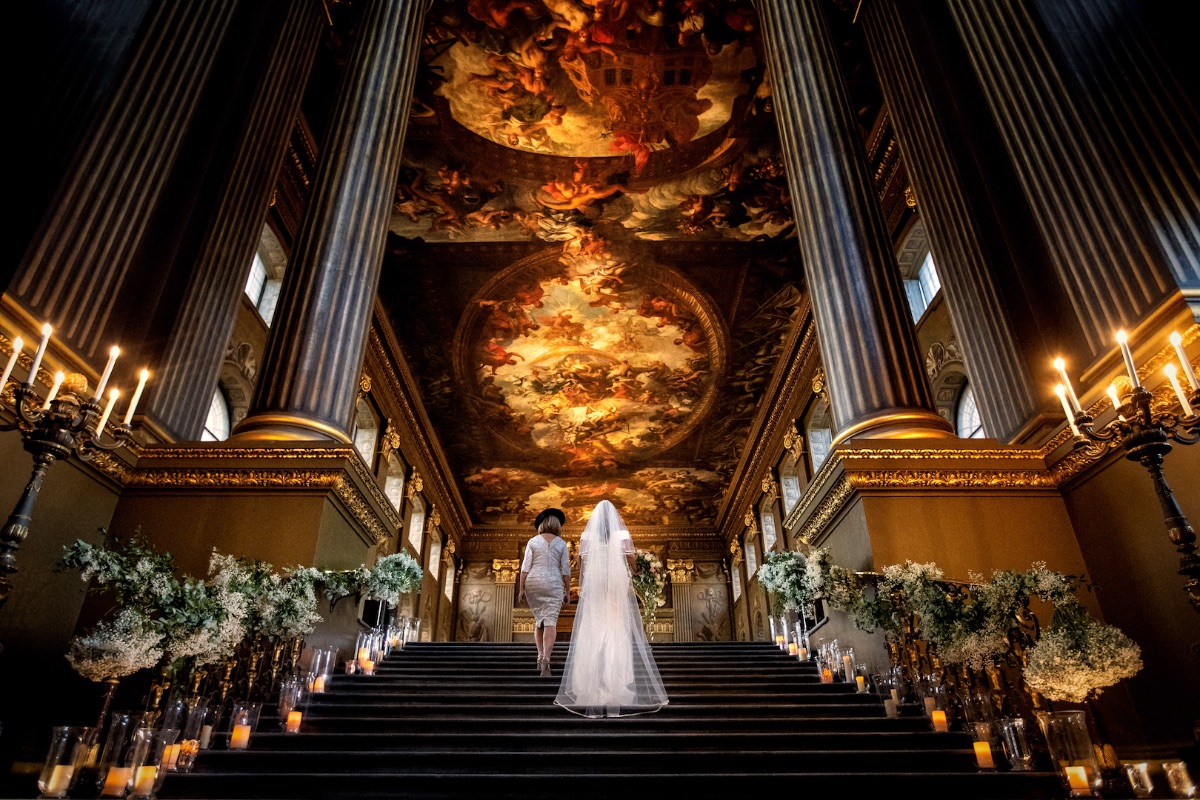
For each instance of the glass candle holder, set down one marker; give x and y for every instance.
(847, 665)
(64, 760)
(414, 629)
(862, 678)
(291, 695)
(986, 744)
(1179, 779)
(937, 706)
(189, 738)
(1140, 782)
(240, 727)
(1015, 739)
(146, 760)
(113, 774)
(1072, 751)
(885, 687)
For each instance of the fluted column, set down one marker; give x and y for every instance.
(1105, 257)
(505, 571)
(308, 382)
(683, 576)
(76, 267)
(968, 260)
(877, 386)
(197, 342)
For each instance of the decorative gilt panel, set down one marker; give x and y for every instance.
(681, 570)
(505, 569)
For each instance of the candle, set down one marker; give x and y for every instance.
(137, 395)
(1177, 343)
(1173, 377)
(116, 781)
(60, 780)
(112, 360)
(59, 377)
(12, 360)
(319, 684)
(793, 649)
(205, 736)
(895, 696)
(171, 756)
(983, 755)
(779, 640)
(368, 667)
(1061, 366)
(1077, 779)
(847, 670)
(112, 401)
(1061, 391)
(41, 351)
(930, 706)
(240, 738)
(804, 654)
(826, 675)
(351, 666)
(939, 720)
(363, 655)
(889, 708)
(862, 683)
(1123, 341)
(293, 721)
(1115, 398)
(143, 783)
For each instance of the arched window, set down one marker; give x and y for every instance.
(393, 482)
(216, 427)
(266, 275)
(789, 482)
(416, 525)
(768, 529)
(366, 431)
(737, 582)
(434, 563)
(966, 419)
(751, 550)
(923, 288)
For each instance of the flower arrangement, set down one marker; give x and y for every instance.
(793, 579)
(650, 583)
(392, 576)
(116, 648)
(1078, 657)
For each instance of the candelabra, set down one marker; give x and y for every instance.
(65, 422)
(1146, 432)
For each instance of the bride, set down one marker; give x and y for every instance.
(610, 671)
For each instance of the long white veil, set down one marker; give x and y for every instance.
(610, 671)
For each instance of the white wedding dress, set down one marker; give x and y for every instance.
(610, 671)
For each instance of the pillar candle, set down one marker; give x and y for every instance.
(171, 756)
(889, 708)
(240, 739)
(779, 640)
(362, 655)
(293, 721)
(368, 667)
(847, 670)
(1077, 779)
(41, 351)
(108, 368)
(804, 654)
(1177, 343)
(939, 720)
(1123, 342)
(862, 683)
(1173, 377)
(60, 779)
(205, 736)
(143, 783)
(983, 755)
(12, 360)
(895, 696)
(319, 684)
(793, 649)
(116, 781)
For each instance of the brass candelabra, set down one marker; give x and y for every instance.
(1146, 430)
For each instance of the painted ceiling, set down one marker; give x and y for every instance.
(592, 264)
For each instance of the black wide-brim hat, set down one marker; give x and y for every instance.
(550, 512)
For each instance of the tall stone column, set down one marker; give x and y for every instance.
(876, 380)
(309, 376)
(1099, 242)
(683, 575)
(969, 253)
(197, 343)
(74, 270)
(505, 572)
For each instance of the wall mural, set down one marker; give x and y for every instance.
(595, 133)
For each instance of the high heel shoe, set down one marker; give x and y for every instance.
(544, 666)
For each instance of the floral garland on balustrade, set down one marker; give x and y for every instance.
(650, 583)
(795, 580)
(186, 623)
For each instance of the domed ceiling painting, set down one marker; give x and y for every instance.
(569, 273)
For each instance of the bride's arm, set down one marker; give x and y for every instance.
(627, 545)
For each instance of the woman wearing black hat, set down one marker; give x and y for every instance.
(546, 581)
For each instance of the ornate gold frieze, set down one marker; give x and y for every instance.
(960, 479)
(349, 494)
(681, 570)
(505, 569)
(831, 504)
(770, 492)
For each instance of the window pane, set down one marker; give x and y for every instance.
(819, 442)
(266, 303)
(768, 528)
(435, 557)
(969, 423)
(216, 427)
(737, 583)
(416, 526)
(366, 432)
(448, 588)
(751, 560)
(256, 280)
(930, 283)
(791, 491)
(393, 484)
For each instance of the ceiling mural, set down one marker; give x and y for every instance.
(575, 339)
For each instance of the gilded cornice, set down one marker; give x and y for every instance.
(829, 507)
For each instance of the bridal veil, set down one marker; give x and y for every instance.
(610, 671)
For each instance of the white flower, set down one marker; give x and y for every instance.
(1073, 663)
(117, 648)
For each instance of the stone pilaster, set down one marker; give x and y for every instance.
(309, 379)
(197, 343)
(683, 574)
(944, 174)
(1100, 246)
(869, 351)
(505, 571)
(76, 267)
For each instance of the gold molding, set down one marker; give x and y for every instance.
(829, 507)
(284, 427)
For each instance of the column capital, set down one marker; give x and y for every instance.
(681, 570)
(505, 570)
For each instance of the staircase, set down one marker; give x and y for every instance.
(475, 720)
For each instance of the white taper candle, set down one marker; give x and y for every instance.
(1173, 377)
(1123, 342)
(1061, 391)
(12, 361)
(1115, 398)
(113, 394)
(1061, 366)
(59, 377)
(137, 395)
(41, 351)
(1189, 373)
(112, 360)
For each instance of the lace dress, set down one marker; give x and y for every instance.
(547, 563)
